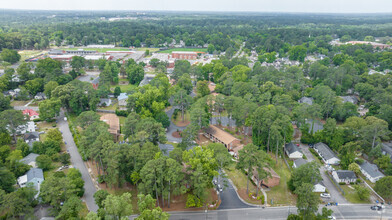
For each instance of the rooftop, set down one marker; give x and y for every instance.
(325, 151)
(34, 173)
(113, 121)
(29, 158)
(307, 100)
(122, 96)
(371, 169)
(345, 174)
(292, 148)
(299, 162)
(220, 134)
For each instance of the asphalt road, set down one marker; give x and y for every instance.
(78, 163)
(230, 199)
(336, 196)
(340, 212)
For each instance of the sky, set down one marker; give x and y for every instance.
(322, 6)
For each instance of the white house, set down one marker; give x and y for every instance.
(344, 176)
(293, 151)
(122, 99)
(319, 187)
(371, 172)
(326, 154)
(28, 127)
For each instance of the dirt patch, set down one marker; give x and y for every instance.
(244, 196)
(181, 123)
(176, 134)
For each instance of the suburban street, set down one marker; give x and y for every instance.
(78, 163)
(336, 196)
(340, 212)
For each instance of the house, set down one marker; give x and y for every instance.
(122, 99)
(105, 102)
(317, 125)
(31, 113)
(217, 135)
(166, 148)
(326, 154)
(371, 172)
(344, 176)
(28, 127)
(34, 176)
(354, 100)
(31, 137)
(387, 149)
(292, 151)
(319, 187)
(114, 124)
(307, 100)
(271, 181)
(147, 79)
(30, 160)
(299, 162)
(95, 83)
(40, 96)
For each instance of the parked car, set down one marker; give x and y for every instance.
(65, 118)
(214, 182)
(331, 217)
(220, 188)
(325, 195)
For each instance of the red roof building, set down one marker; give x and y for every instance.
(31, 113)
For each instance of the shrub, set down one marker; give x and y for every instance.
(304, 157)
(193, 201)
(250, 195)
(342, 183)
(121, 113)
(358, 181)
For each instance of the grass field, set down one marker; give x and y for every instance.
(25, 54)
(352, 196)
(184, 49)
(147, 48)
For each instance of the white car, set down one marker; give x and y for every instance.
(65, 118)
(325, 195)
(331, 217)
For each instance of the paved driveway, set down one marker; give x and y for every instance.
(230, 199)
(78, 163)
(335, 194)
(172, 128)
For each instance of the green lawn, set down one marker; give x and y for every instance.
(184, 49)
(351, 195)
(281, 194)
(25, 54)
(112, 107)
(124, 88)
(147, 48)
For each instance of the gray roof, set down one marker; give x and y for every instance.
(291, 148)
(371, 169)
(29, 158)
(34, 173)
(166, 148)
(346, 174)
(147, 79)
(387, 148)
(122, 96)
(299, 162)
(225, 121)
(321, 183)
(31, 135)
(95, 81)
(351, 99)
(325, 151)
(307, 100)
(318, 125)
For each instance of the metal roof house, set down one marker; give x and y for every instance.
(371, 172)
(326, 154)
(34, 176)
(319, 187)
(122, 99)
(292, 151)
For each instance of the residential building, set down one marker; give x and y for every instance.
(307, 100)
(292, 151)
(95, 83)
(387, 149)
(166, 148)
(326, 154)
(147, 79)
(371, 172)
(122, 99)
(344, 176)
(299, 162)
(34, 176)
(28, 127)
(271, 181)
(40, 96)
(114, 124)
(217, 135)
(31, 114)
(105, 102)
(31, 137)
(30, 160)
(319, 187)
(317, 125)
(352, 99)
(184, 55)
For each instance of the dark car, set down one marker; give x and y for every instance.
(375, 207)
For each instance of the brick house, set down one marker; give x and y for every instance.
(217, 135)
(184, 55)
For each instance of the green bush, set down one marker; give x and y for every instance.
(193, 201)
(342, 183)
(358, 181)
(121, 113)
(304, 157)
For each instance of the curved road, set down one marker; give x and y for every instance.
(230, 200)
(172, 128)
(77, 162)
